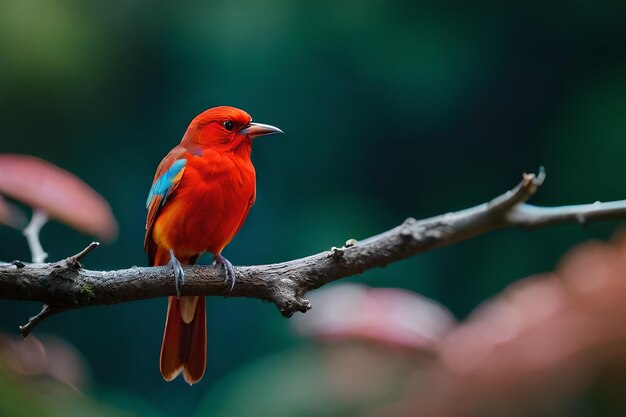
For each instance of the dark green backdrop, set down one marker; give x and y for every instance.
(391, 109)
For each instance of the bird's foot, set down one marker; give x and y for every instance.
(179, 274)
(229, 270)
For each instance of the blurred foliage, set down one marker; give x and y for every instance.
(339, 379)
(45, 379)
(551, 344)
(391, 109)
(58, 193)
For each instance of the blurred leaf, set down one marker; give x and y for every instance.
(11, 215)
(61, 194)
(64, 363)
(54, 358)
(41, 379)
(393, 317)
(536, 346)
(340, 379)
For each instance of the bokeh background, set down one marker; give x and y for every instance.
(391, 109)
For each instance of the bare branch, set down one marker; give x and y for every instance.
(45, 312)
(66, 285)
(74, 261)
(530, 216)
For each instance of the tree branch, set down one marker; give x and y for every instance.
(66, 285)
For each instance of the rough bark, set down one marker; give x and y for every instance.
(66, 284)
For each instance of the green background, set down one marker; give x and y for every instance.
(390, 109)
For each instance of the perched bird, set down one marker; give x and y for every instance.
(200, 197)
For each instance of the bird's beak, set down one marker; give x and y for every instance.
(259, 129)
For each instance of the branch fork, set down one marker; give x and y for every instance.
(70, 264)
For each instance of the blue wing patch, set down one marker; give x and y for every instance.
(165, 182)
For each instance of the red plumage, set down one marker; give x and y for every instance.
(201, 195)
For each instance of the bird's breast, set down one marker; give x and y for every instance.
(209, 205)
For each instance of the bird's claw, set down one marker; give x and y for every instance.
(229, 270)
(179, 274)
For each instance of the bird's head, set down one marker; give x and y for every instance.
(226, 128)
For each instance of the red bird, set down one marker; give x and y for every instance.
(200, 197)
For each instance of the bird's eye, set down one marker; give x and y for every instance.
(228, 125)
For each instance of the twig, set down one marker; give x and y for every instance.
(45, 312)
(65, 285)
(31, 233)
(74, 261)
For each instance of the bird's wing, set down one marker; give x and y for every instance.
(166, 179)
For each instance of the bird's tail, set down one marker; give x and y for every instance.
(184, 340)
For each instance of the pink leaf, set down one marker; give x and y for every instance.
(11, 215)
(389, 316)
(61, 194)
